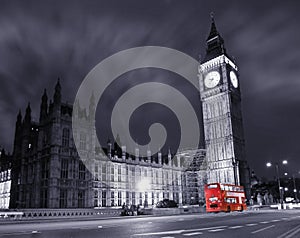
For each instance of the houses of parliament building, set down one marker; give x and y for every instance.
(48, 173)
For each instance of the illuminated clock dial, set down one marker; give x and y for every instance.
(233, 79)
(212, 79)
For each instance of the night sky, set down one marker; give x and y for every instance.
(43, 40)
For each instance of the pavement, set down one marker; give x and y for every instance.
(262, 223)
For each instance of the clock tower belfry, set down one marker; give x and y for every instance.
(222, 116)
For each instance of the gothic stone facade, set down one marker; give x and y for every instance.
(47, 171)
(222, 115)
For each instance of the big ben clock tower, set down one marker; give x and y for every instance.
(222, 117)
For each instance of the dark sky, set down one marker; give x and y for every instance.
(43, 40)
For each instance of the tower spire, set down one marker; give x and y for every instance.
(19, 117)
(44, 106)
(27, 117)
(57, 93)
(214, 41)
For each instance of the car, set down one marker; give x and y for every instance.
(166, 203)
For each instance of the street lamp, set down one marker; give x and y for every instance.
(295, 188)
(269, 164)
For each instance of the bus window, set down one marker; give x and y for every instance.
(212, 186)
(230, 200)
(212, 199)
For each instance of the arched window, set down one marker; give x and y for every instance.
(65, 137)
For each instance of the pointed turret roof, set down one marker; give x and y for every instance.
(215, 42)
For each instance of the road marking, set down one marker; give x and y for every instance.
(235, 227)
(100, 227)
(193, 234)
(251, 224)
(274, 220)
(205, 228)
(160, 233)
(216, 230)
(181, 219)
(16, 234)
(150, 222)
(176, 232)
(167, 237)
(290, 233)
(264, 222)
(284, 218)
(262, 229)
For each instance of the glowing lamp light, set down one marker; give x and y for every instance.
(284, 162)
(143, 185)
(286, 189)
(269, 164)
(295, 190)
(285, 174)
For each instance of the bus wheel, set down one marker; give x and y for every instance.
(241, 209)
(228, 209)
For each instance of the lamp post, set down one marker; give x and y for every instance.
(295, 189)
(269, 164)
(235, 164)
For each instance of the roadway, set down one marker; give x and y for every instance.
(270, 223)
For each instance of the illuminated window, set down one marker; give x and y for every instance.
(63, 198)
(81, 199)
(119, 198)
(82, 144)
(65, 137)
(81, 170)
(64, 169)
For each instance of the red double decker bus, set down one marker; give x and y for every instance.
(224, 197)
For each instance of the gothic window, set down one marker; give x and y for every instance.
(81, 171)
(64, 169)
(127, 197)
(45, 168)
(119, 173)
(82, 144)
(95, 202)
(63, 198)
(81, 199)
(112, 198)
(119, 198)
(112, 174)
(65, 137)
(44, 198)
(103, 198)
(141, 199)
(133, 198)
(152, 198)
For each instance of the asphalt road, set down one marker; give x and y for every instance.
(277, 224)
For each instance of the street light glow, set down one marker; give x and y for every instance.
(143, 185)
(284, 162)
(286, 189)
(269, 164)
(285, 174)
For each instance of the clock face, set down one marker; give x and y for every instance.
(233, 79)
(212, 79)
